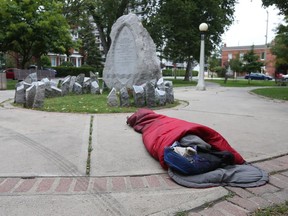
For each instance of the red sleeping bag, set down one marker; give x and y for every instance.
(160, 131)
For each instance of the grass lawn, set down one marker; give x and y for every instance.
(88, 103)
(181, 82)
(280, 93)
(243, 83)
(11, 84)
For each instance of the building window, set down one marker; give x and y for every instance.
(241, 55)
(262, 55)
(230, 56)
(53, 61)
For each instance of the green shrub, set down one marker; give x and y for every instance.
(66, 64)
(75, 71)
(179, 72)
(220, 71)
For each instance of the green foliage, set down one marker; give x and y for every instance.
(67, 64)
(75, 71)
(45, 61)
(236, 64)
(280, 45)
(11, 84)
(251, 62)
(175, 26)
(221, 71)
(169, 72)
(106, 12)
(90, 50)
(214, 61)
(280, 4)
(33, 28)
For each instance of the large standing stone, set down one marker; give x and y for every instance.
(139, 96)
(169, 92)
(40, 95)
(71, 85)
(66, 85)
(80, 78)
(86, 87)
(113, 100)
(20, 97)
(150, 94)
(30, 96)
(161, 84)
(93, 76)
(160, 97)
(95, 89)
(124, 97)
(77, 88)
(53, 91)
(132, 58)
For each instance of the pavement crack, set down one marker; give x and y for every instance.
(90, 148)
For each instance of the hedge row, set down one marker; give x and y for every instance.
(178, 72)
(75, 71)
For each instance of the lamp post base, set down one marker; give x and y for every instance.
(200, 87)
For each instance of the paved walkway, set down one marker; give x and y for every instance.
(239, 201)
(43, 159)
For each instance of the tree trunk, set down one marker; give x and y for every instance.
(188, 71)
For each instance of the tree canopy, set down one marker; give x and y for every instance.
(106, 12)
(175, 27)
(33, 28)
(280, 43)
(282, 5)
(251, 62)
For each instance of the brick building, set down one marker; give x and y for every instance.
(263, 51)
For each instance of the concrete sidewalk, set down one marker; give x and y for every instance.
(43, 155)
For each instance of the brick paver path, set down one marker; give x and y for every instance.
(247, 200)
(242, 201)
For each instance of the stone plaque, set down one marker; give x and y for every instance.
(132, 58)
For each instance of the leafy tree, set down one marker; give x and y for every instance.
(282, 5)
(33, 28)
(236, 64)
(251, 62)
(214, 62)
(90, 49)
(106, 12)
(175, 27)
(280, 45)
(45, 61)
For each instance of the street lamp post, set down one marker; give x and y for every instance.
(201, 84)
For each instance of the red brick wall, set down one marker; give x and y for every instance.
(270, 59)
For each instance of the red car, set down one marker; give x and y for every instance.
(10, 73)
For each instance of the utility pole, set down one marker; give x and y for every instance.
(266, 36)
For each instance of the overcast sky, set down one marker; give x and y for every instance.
(250, 23)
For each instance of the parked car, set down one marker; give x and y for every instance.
(10, 73)
(285, 76)
(258, 76)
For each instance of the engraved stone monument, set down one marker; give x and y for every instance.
(132, 58)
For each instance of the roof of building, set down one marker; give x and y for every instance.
(244, 47)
